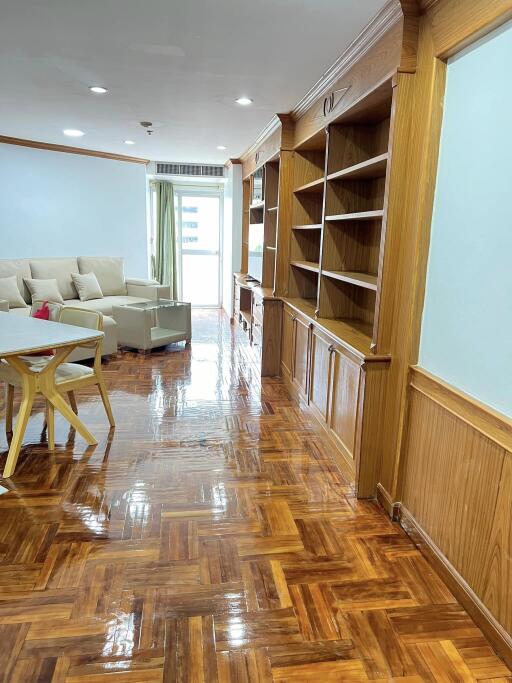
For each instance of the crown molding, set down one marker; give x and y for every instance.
(270, 128)
(70, 150)
(389, 15)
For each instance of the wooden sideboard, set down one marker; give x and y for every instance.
(342, 386)
(258, 312)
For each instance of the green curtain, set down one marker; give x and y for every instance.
(164, 260)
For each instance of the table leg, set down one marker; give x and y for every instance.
(29, 391)
(50, 425)
(60, 404)
(9, 403)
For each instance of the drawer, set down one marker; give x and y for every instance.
(257, 310)
(257, 333)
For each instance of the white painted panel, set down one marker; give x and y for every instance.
(56, 204)
(466, 334)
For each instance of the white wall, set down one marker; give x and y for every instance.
(56, 204)
(232, 235)
(466, 335)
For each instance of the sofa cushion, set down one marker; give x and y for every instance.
(9, 291)
(87, 286)
(109, 271)
(59, 269)
(20, 268)
(44, 290)
(105, 305)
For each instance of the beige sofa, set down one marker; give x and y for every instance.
(116, 288)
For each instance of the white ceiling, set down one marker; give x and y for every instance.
(178, 63)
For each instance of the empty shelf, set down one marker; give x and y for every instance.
(372, 168)
(306, 265)
(359, 216)
(317, 226)
(313, 186)
(365, 280)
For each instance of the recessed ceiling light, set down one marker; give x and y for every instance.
(129, 142)
(244, 101)
(221, 147)
(98, 89)
(73, 132)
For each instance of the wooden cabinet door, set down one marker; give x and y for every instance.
(287, 341)
(320, 372)
(346, 376)
(300, 367)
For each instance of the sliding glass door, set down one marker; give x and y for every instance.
(199, 219)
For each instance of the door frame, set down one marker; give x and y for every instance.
(199, 191)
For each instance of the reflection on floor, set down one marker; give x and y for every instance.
(210, 538)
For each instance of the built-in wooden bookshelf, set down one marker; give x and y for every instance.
(338, 211)
(357, 163)
(307, 220)
(263, 214)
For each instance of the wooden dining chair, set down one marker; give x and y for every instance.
(70, 377)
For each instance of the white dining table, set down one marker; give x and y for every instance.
(21, 336)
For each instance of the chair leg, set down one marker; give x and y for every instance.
(9, 406)
(106, 401)
(50, 425)
(72, 402)
(21, 424)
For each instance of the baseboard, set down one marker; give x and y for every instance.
(490, 627)
(386, 501)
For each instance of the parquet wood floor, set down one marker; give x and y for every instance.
(211, 539)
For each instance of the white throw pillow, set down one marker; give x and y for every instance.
(87, 286)
(44, 290)
(58, 268)
(109, 271)
(10, 292)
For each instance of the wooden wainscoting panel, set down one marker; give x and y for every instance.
(457, 486)
(497, 560)
(489, 422)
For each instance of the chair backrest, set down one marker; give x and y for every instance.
(55, 309)
(81, 317)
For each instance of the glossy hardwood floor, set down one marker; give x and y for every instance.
(210, 538)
